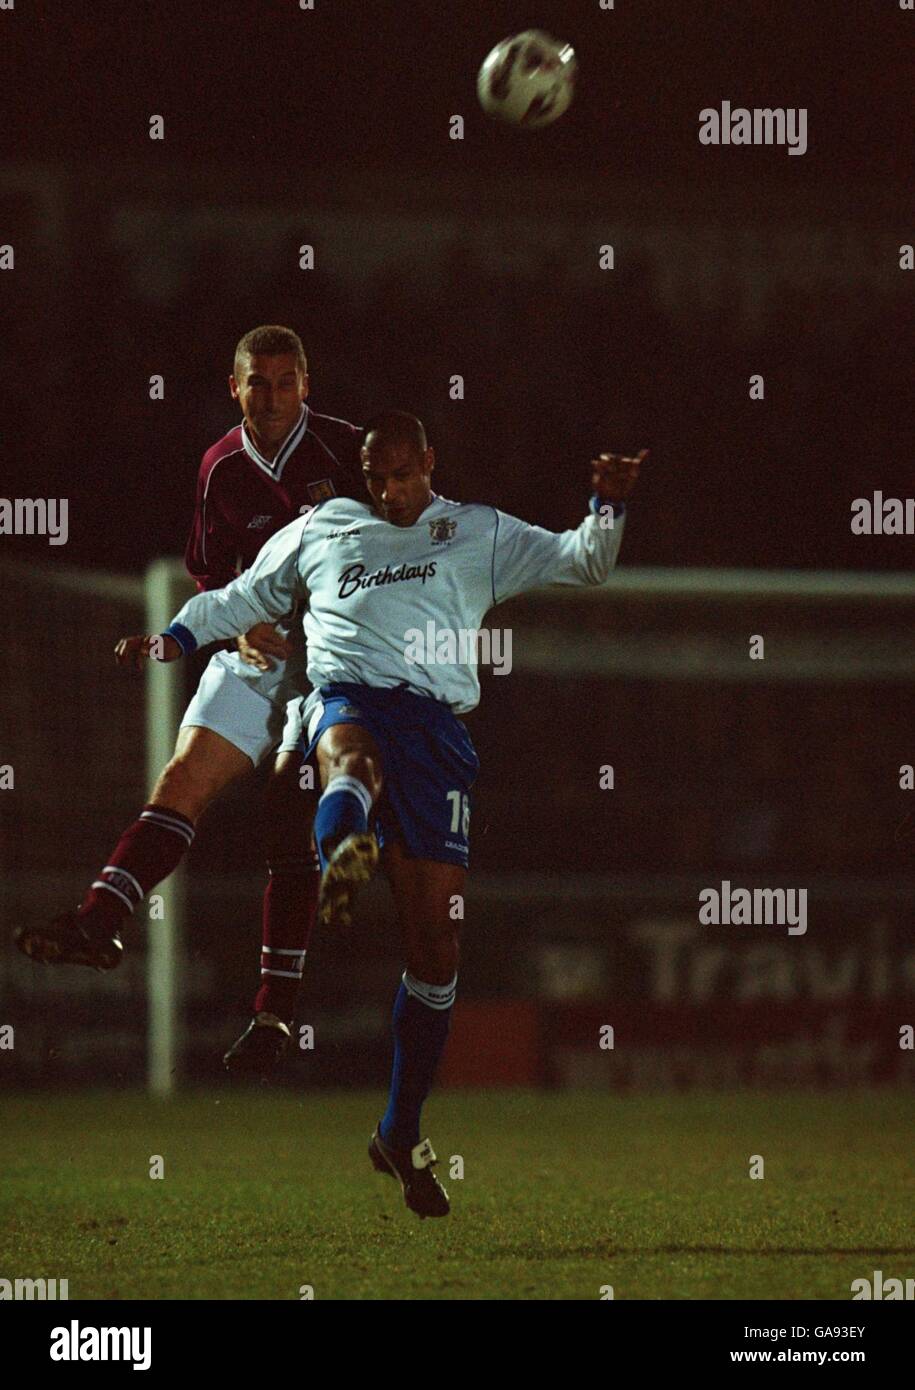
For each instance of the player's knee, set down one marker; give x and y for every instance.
(184, 786)
(358, 763)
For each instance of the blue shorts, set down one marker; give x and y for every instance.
(429, 765)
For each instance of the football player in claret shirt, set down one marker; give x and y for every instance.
(280, 461)
(395, 761)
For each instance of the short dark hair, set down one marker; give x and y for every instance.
(398, 429)
(270, 340)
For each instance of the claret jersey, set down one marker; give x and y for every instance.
(370, 584)
(243, 499)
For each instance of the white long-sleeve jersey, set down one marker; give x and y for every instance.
(368, 584)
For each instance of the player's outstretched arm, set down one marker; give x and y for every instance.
(133, 651)
(613, 476)
(265, 593)
(264, 642)
(528, 557)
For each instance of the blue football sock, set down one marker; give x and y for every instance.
(422, 1015)
(343, 810)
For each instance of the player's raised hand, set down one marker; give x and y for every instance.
(262, 642)
(613, 476)
(133, 651)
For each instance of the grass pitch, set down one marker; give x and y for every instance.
(265, 1192)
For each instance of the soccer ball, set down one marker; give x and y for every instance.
(528, 80)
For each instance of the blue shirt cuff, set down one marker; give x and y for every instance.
(619, 508)
(185, 638)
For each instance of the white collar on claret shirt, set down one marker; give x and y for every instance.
(289, 444)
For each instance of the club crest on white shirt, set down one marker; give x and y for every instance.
(442, 529)
(321, 490)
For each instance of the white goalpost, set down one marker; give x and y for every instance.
(167, 587)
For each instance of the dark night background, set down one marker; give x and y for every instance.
(284, 126)
(480, 257)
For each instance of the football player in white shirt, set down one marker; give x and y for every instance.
(396, 763)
